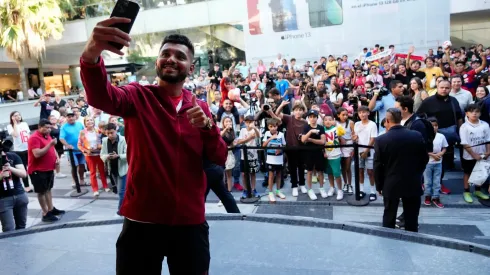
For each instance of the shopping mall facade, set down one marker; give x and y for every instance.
(227, 30)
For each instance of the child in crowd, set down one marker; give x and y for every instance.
(228, 136)
(472, 133)
(314, 135)
(348, 126)
(248, 137)
(275, 157)
(365, 133)
(333, 155)
(432, 174)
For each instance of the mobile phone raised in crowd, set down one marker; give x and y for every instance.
(125, 9)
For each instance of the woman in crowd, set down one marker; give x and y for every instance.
(228, 136)
(481, 94)
(261, 69)
(259, 94)
(89, 143)
(359, 79)
(336, 95)
(417, 92)
(55, 134)
(20, 132)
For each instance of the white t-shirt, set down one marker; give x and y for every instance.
(439, 142)
(252, 153)
(334, 97)
(272, 157)
(365, 132)
(473, 134)
(92, 139)
(20, 141)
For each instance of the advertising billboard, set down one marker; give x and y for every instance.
(308, 29)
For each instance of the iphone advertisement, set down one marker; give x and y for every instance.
(309, 29)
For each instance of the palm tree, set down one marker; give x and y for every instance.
(25, 25)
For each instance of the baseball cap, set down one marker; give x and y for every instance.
(70, 113)
(312, 112)
(249, 118)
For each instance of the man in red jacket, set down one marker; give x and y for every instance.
(168, 133)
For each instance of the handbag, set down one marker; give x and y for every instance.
(451, 133)
(480, 172)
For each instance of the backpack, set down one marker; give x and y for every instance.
(429, 131)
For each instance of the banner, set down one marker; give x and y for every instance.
(309, 29)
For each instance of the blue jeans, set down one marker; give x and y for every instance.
(13, 212)
(236, 170)
(432, 179)
(121, 189)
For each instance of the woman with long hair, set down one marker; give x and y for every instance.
(20, 132)
(89, 143)
(228, 136)
(336, 95)
(259, 94)
(55, 134)
(261, 69)
(481, 94)
(417, 92)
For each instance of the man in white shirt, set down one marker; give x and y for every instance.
(463, 96)
(144, 81)
(278, 61)
(254, 83)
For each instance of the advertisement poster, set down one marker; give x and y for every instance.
(308, 29)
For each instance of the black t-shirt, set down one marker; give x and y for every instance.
(46, 108)
(217, 76)
(14, 187)
(314, 136)
(386, 79)
(446, 110)
(57, 105)
(411, 74)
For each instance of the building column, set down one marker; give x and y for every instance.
(75, 78)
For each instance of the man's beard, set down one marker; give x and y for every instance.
(169, 78)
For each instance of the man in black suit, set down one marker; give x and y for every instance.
(400, 157)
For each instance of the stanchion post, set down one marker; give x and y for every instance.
(246, 171)
(357, 200)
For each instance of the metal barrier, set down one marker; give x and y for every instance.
(355, 200)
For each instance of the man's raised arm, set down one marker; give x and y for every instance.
(100, 93)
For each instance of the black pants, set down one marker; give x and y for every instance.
(141, 248)
(296, 168)
(411, 209)
(23, 156)
(214, 176)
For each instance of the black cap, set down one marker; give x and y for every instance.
(312, 112)
(43, 122)
(249, 118)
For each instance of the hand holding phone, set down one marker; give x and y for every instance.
(113, 33)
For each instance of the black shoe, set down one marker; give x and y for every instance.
(50, 218)
(372, 197)
(57, 212)
(400, 224)
(400, 218)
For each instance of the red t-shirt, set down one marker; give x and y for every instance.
(45, 163)
(468, 80)
(176, 100)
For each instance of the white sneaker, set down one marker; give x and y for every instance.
(331, 191)
(60, 176)
(323, 193)
(96, 194)
(220, 204)
(349, 189)
(340, 195)
(312, 195)
(295, 191)
(345, 187)
(108, 190)
(272, 198)
(303, 189)
(280, 195)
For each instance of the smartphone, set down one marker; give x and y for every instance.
(125, 9)
(324, 13)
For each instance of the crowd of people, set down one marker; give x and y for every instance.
(98, 144)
